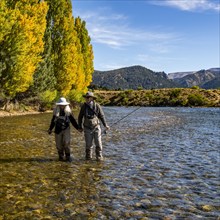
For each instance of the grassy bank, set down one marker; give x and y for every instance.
(194, 97)
(160, 97)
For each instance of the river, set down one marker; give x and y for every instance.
(160, 164)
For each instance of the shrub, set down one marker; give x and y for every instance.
(125, 101)
(196, 100)
(175, 93)
(46, 99)
(123, 94)
(195, 87)
(76, 96)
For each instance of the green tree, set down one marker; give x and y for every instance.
(44, 78)
(44, 86)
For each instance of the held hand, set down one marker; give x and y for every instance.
(49, 131)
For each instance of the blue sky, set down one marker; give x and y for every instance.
(161, 35)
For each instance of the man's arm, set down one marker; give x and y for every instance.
(101, 115)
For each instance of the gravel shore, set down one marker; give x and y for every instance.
(7, 114)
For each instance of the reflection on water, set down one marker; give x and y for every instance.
(160, 163)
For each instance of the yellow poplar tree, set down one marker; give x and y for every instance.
(80, 78)
(86, 51)
(84, 61)
(78, 89)
(21, 43)
(63, 44)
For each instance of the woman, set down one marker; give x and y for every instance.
(61, 119)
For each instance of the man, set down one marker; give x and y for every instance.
(61, 119)
(90, 116)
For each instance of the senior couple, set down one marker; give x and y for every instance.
(89, 119)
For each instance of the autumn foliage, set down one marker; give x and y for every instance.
(43, 49)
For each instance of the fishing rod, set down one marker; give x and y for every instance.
(105, 132)
(126, 116)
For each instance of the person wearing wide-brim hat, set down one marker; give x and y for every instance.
(89, 95)
(62, 116)
(89, 119)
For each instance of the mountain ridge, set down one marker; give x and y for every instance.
(201, 78)
(139, 77)
(132, 77)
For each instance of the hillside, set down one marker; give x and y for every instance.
(204, 78)
(138, 77)
(215, 83)
(179, 74)
(133, 77)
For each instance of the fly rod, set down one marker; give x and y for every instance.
(125, 116)
(105, 132)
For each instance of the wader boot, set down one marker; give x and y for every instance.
(61, 156)
(88, 154)
(68, 158)
(98, 152)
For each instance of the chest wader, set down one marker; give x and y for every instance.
(92, 132)
(62, 138)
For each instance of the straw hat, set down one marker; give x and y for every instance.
(62, 101)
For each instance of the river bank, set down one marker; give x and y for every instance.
(173, 97)
(17, 113)
(8, 114)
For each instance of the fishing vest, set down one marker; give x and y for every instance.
(61, 119)
(90, 116)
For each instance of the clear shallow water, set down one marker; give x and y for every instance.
(160, 163)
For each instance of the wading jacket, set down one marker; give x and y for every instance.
(90, 115)
(62, 121)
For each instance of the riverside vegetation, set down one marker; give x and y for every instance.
(182, 97)
(161, 97)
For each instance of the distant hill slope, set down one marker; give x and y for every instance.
(212, 84)
(133, 77)
(179, 74)
(208, 79)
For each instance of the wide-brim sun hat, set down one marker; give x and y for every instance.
(62, 101)
(89, 94)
